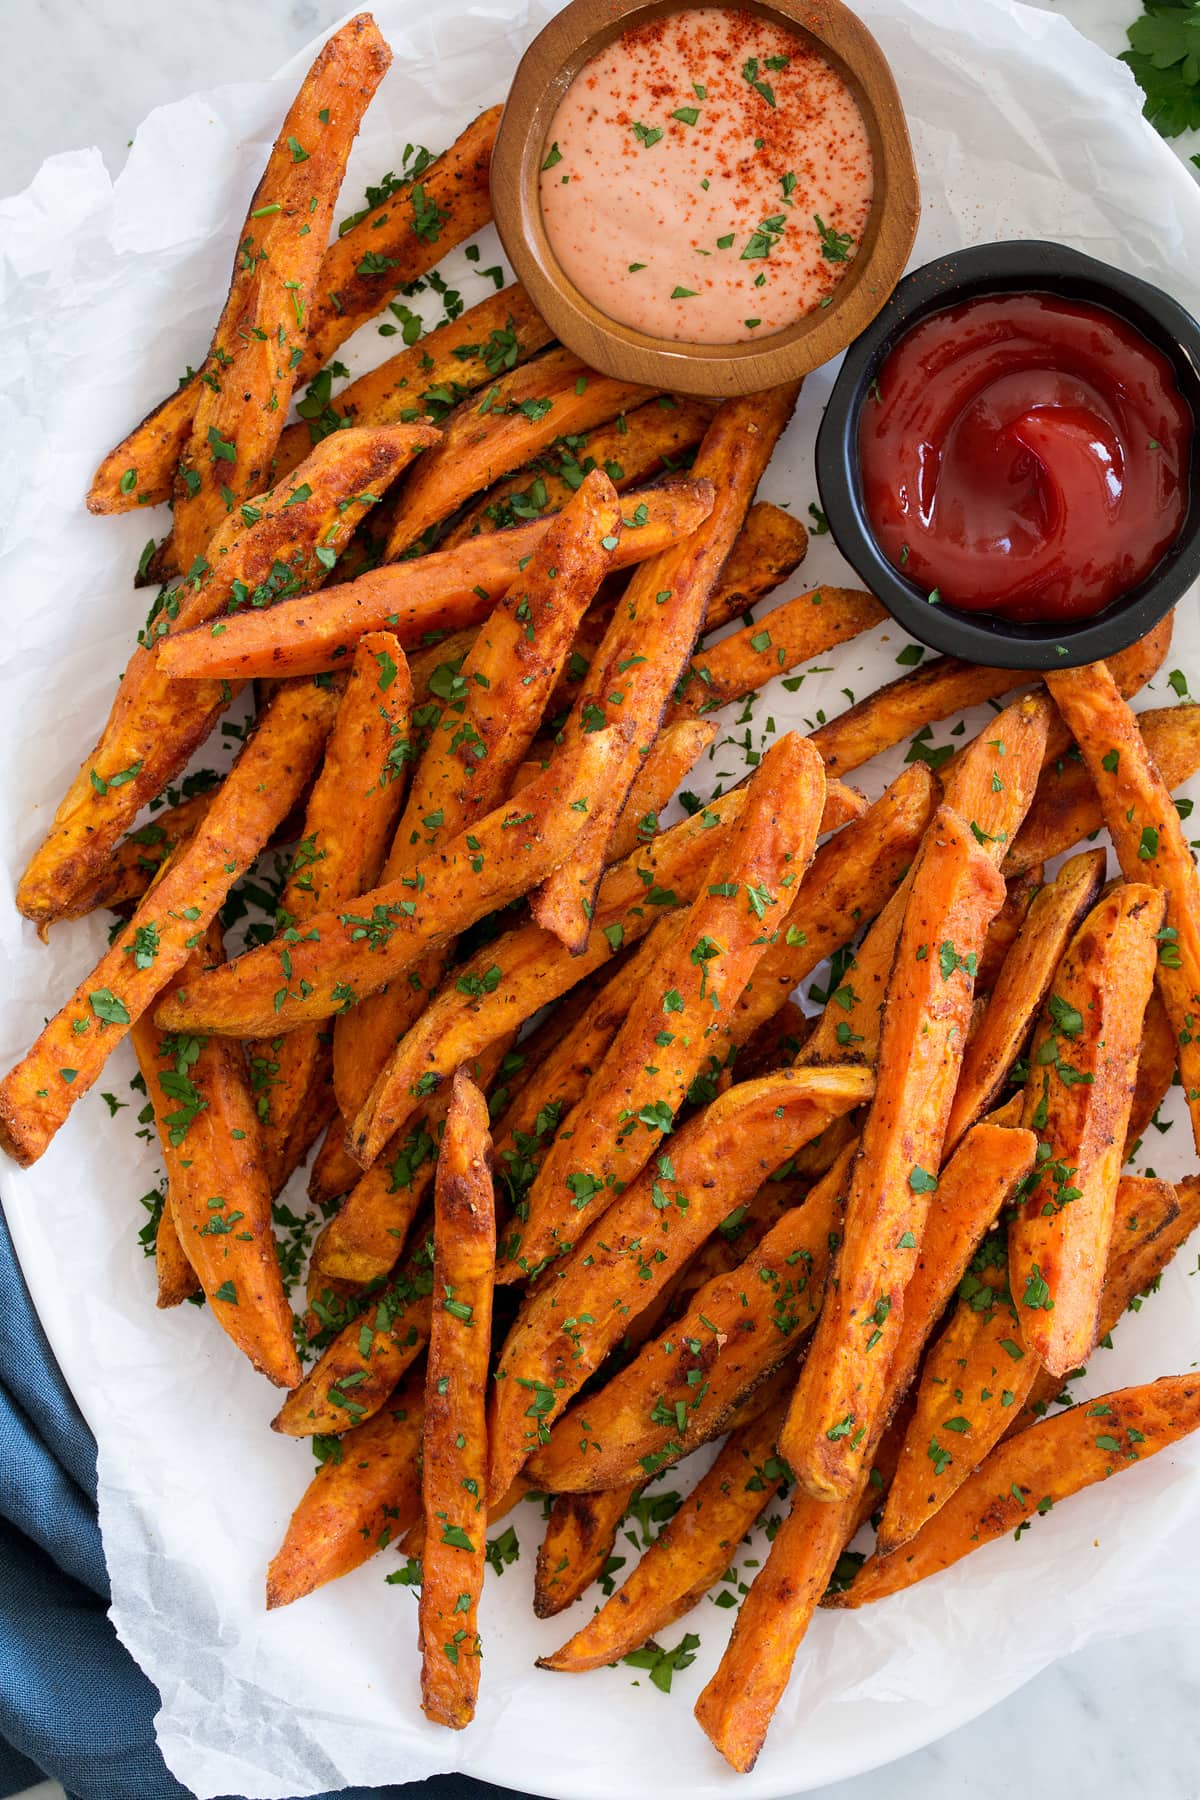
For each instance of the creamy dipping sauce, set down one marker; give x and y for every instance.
(707, 178)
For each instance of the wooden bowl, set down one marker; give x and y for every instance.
(543, 76)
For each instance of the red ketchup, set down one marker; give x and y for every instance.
(1025, 455)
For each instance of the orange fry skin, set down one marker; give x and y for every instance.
(720, 1157)
(955, 891)
(1082, 1070)
(358, 1500)
(1149, 839)
(700, 975)
(793, 632)
(1033, 1471)
(664, 606)
(248, 376)
(579, 1539)
(271, 773)
(443, 591)
(454, 1442)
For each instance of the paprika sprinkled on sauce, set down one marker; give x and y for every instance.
(1025, 455)
(708, 177)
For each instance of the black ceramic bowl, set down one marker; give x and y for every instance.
(1024, 267)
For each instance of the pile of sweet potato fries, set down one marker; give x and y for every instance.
(865, 1250)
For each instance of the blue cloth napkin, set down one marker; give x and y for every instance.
(73, 1704)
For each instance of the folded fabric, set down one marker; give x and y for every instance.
(73, 1704)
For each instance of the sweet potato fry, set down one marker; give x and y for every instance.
(1155, 1072)
(271, 772)
(709, 957)
(174, 1275)
(687, 1556)
(789, 634)
(363, 1241)
(680, 1389)
(520, 414)
(456, 186)
(485, 727)
(770, 546)
(138, 858)
(1067, 807)
(1003, 930)
(944, 686)
(634, 447)
(663, 609)
(431, 376)
(360, 1499)
(218, 1194)
(956, 890)
(719, 1158)
(283, 542)
(579, 1539)
(369, 1355)
(248, 375)
(348, 823)
(1150, 843)
(454, 1443)
(1082, 1066)
(344, 955)
(1030, 1473)
(445, 590)
(736, 1706)
(976, 1378)
(1022, 986)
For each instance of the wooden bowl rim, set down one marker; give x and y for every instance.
(542, 77)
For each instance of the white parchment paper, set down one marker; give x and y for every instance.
(110, 288)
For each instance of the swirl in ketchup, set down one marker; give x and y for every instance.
(1025, 455)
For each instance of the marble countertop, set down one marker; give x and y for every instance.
(1114, 1720)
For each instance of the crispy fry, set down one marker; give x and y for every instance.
(1083, 1063)
(454, 1439)
(663, 608)
(736, 1706)
(704, 966)
(246, 381)
(1003, 930)
(154, 725)
(443, 591)
(688, 1554)
(243, 387)
(138, 857)
(773, 645)
(369, 1355)
(360, 1499)
(955, 892)
(770, 546)
(633, 447)
(991, 786)
(977, 1376)
(270, 773)
(349, 820)
(1155, 1072)
(218, 1194)
(456, 185)
(680, 1389)
(363, 1240)
(1150, 843)
(580, 1534)
(175, 1277)
(1032, 1472)
(344, 955)
(719, 1158)
(484, 729)
(435, 373)
(1021, 988)
(1067, 807)
(520, 414)
(943, 686)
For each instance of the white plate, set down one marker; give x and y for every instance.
(1021, 129)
